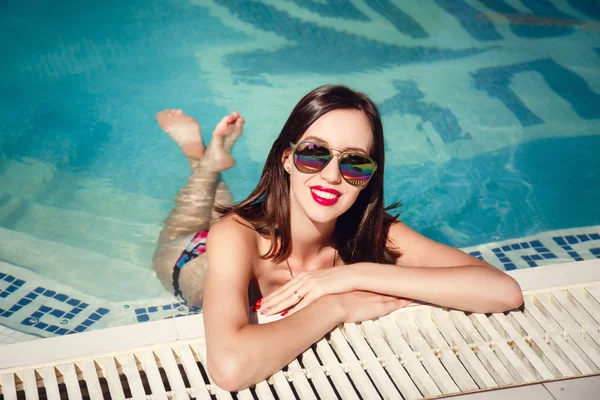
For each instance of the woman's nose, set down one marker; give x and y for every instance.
(331, 172)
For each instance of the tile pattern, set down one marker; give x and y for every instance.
(38, 307)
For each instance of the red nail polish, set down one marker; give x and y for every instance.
(256, 307)
(283, 314)
(258, 302)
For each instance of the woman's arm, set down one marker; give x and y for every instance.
(427, 271)
(241, 354)
(434, 273)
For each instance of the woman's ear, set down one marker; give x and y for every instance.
(286, 160)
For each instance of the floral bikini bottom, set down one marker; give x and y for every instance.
(196, 247)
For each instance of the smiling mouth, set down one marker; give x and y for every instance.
(325, 195)
(325, 198)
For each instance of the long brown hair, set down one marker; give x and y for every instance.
(361, 232)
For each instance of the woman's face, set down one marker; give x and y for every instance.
(323, 196)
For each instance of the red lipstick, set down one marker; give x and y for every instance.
(324, 196)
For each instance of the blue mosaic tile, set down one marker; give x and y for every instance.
(80, 328)
(152, 309)
(39, 290)
(143, 318)
(9, 278)
(24, 301)
(140, 311)
(559, 240)
(496, 250)
(548, 256)
(7, 314)
(515, 246)
(52, 328)
(571, 239)
(532, 263)
(49, 293)
(583, 238)
(83, 305)
(2, 275)
(525, 245)
(536, 257)
(542, 250)
(102, 311)
(57, 313)
(595, 236)
(62, 331)
(573, 254)
(167, 307)
(567, 248)
(88, 322)
(510, 266)
(69, 315)
(596, 252)
(41, 325)
(19, 282)
(61, 297)
(95, 317)
(45, 309)
(73, 302)
(536, 243)
(504, 259)
(506, 248)
(526, 258)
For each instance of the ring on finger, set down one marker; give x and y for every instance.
(297, 295)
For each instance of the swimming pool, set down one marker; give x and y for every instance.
(490, 111)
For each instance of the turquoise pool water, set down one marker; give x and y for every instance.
(491, 114)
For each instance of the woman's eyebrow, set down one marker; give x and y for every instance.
(316, 139)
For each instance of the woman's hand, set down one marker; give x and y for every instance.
(307, 287)
(361, 306)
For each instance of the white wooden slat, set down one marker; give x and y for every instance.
(567, 322)
(392, 365)
(408, 358)
(591, 306)
(263, 391)
(472, 363)
(508, 353)
(354, 367)
(594, 291)
(496, 359)
(50, 382)
(112, 378)
(70, 380)
(558, 334)
(282, 386)
(538, 338)
(169, 364)
(335, 371)
(198, 385)
(150, 367)
(132, 374)
(314, 371)
(447, 357)
(586, 322)
(556, 362)
(373, 366)
(433, 365)
(30, 385)
(200, 350)
(298, 379)
(9, 388)
(90, 375)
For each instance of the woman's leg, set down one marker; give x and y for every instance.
(194, 203)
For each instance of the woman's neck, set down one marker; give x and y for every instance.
(310, 238)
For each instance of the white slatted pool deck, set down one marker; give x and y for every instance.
(418, 352)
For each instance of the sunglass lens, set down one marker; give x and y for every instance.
(356, 169)
(311, 157)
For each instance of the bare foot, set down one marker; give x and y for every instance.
(184, 130)
(224, 137)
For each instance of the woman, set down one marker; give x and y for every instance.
(317, 207)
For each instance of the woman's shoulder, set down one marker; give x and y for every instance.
(234, 226)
